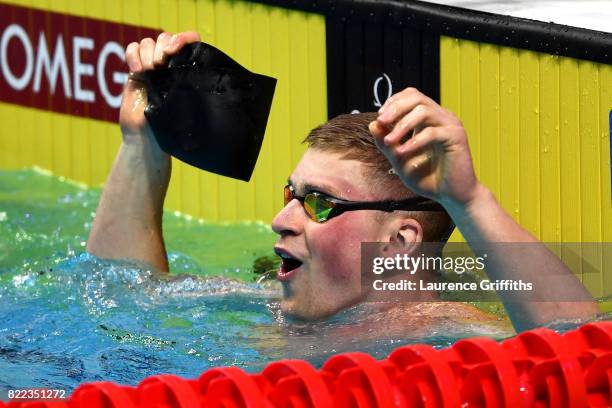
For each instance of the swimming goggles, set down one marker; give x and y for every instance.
(321, 207)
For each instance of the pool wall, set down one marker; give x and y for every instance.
(534, 97)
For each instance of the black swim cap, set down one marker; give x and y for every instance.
(208, 111)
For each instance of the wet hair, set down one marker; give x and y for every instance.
(349, 136)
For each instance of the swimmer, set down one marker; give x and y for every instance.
(411, 149)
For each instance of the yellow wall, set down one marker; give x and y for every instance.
(538, 124)
(287, 45)
(539, 132)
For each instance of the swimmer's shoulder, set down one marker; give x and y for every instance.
(428, 317)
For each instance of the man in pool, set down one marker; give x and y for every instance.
(354, 158)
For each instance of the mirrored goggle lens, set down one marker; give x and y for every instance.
(317, 207)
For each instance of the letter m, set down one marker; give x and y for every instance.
(52, 68)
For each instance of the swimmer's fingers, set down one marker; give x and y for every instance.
(418, 157)
(134, 97)
(168, 45)
(401, 104)
(427, 139)
(132, 58)
(412, 155)
(149, 54)
(418, 118)
(160, 58)
(450, 138)
(418, 166)
(178, 41)
(379, 132)
(146, 50)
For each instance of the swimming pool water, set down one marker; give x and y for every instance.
(67, 317)
(44, 220)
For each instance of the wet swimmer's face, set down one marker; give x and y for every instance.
(320, 270)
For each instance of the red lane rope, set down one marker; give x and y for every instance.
(537, 368)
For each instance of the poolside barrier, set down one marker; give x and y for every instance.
(537, 368)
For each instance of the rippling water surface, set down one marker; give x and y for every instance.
(67, 317)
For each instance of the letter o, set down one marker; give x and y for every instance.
(15, 30)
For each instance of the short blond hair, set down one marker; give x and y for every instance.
(350, 136)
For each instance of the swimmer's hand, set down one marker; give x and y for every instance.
(128, 222)
(140, 57)
(427, 147)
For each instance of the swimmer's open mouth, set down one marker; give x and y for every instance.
(288, 264)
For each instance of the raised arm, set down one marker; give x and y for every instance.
(435, 162)
(128, 222)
